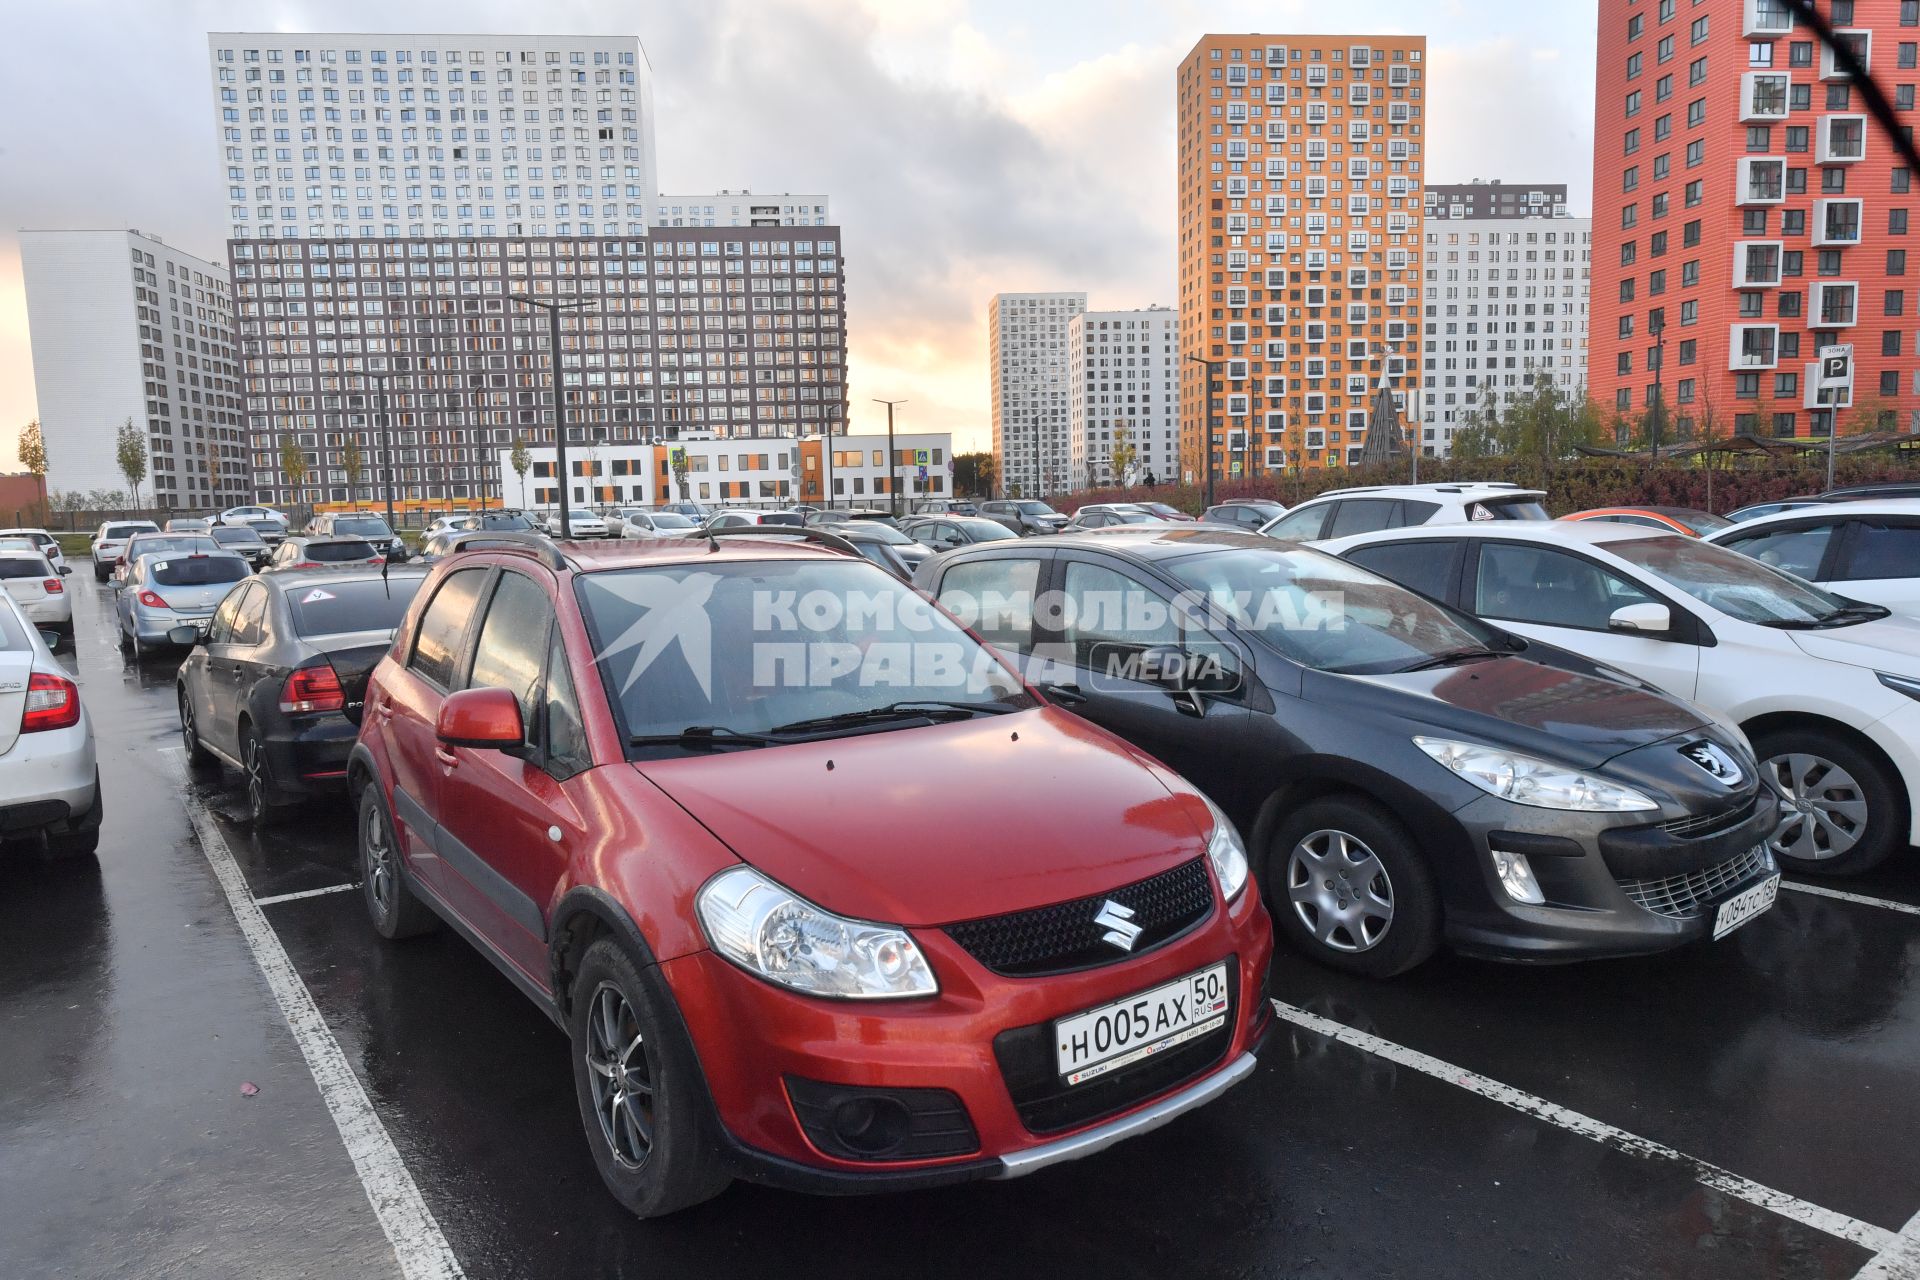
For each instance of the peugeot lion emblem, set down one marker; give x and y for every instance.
(1715, 761)
(1117, 920)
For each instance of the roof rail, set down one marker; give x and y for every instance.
(526, 544)
(806, 533)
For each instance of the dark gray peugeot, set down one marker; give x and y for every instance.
(1406, 775)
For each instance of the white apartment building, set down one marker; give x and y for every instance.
(1124, 371)
(124, 326)
(1028, 352)
(742, 209)
(1506, 300)
(369, 135)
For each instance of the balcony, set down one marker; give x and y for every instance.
(1842, 140)
(1763, 96)
(1836, 222)
(1861, 42)
(1762, 180)
(1765, 19)
(1317, 74)
(1752, 347)
(1756, 264)
(1276, 55)
(1832, 304)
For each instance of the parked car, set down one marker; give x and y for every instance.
(1827, 689)
(581, 523)
(1866, 550)
(110, 539)
(49, 785)
(48, 544)
(41, 592)
(249, 514)
(275, 683)
(272, 531)
(1165, 510)
(945, 507)
(832, 519)
(1758, 509)
(453, 521)
(638, 522)
(188, 524)
(1695, 524)
(1407, 776)
(155, 544)
(1110, 515)
(171, 590)
(1024, 515)
(1340, 512)
(244, 541)
(1874, 492)
(1249, 514)
(759, 976)
(691, 510)
(902, 553)
(943, 533)
(738, 518)
(361, 524)
(303, 551)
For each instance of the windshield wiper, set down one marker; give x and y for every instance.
(921, 709)
(1845, 616)
(1453, 657)
(704, 735)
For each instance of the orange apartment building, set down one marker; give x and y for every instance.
(1299, 189)
(1747, 211)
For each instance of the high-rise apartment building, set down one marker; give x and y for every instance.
(1506, 301)
(1027, 338)
(125, 327)
(1748, 211)
(1124, 375)
(1300, 165)
(433, 135)
(742, 209)
(738, 333)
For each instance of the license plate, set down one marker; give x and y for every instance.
(1091, 1044)
(1744, 906)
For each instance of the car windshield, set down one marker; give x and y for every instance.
(198, 571)
(749, 647)
(671, 520)
(156, 546)
(370, 604)
(363, 527)
(880, 531)
(335, 552)
(1738, 585)
(1325, 613)
(126, 530)
(1034, 509)
(514, 522)
(1703, 522)
(230, 536)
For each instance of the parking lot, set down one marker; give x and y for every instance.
(211, 1066)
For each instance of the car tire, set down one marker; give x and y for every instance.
(629, 1052)
(99, 572)
(68, 845)
(393, 908)
(1356, 847)
(1847, 793)
(198, 757)
(263, 800)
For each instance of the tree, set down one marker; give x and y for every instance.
(1869, 413)
(293, 464)
(33, 456)
(677, 460)
(354, 462)
(974, 473)
(1125, 454)
(520, 460)
(1711, 428)
(130, 452)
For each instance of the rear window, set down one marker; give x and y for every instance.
(15, 567)
(338, 552)
(337, 607)
(506, 523)
(12, 638)
(198, 571)
(229, 534)
(1508, 509)
(126, 530)
(783, 517)
(363, 527)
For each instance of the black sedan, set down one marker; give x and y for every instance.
(275, 683)
(1406, 775)
(243, 540)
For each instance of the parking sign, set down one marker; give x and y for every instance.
(1836, 368)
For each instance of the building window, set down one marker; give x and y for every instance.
(1696, 113)
(1633, 104)
(1895, 303)
(1689, 312)
(1896, 222)
(1690, 234)
(1896, 262)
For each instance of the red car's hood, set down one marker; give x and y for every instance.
(946, 822)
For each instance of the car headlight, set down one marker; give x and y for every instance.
(1526, 780)
(1228, 855)
(778, 935)
(1901, 684)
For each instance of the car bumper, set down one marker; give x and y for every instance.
(759, 1044)
(310, 757)
(52, 782)
(54, 611)
(150, 626)
(1898, 735)
(1595, 870)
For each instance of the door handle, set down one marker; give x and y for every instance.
(446, 757)
(1067, 695)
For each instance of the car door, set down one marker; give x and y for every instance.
(200, 672)
(1878, 560)
(226, 674)
(498, 811)
(1566, 599)
(1430, 566)
(252, 651)
(995, 597)
(1802, 547)
(1110, 613)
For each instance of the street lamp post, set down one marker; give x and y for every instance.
(893, 460)
(553, 307)
(1206, 433)
(1657, 324)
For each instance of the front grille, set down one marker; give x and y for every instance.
(1064, 937)
(1686, 896)
(1697, 826)
(1047, 1104)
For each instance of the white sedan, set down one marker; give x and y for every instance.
(40, 589)
(1868, 550)
(636, 522)
(48, 544)
(1826, 688)
(581, 524)
(49, 785)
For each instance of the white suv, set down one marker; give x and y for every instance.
(1866, 550)
(49, 785)
(111, 541)
(1340, 512)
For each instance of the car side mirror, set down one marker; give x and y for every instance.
(184, 636)
(1646, 619)
(66, 570)
(485, 718)
(51, 639)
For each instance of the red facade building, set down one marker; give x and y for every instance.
(1748, 210)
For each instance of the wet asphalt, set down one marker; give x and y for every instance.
(132, 1013)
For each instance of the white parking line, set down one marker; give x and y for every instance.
(1779, 1202)
(304, 893)
(1861, 898)
(1899, 1260)
(418, 1244)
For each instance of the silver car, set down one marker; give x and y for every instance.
(164, 592)
(49, 786)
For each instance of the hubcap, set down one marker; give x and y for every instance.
(186, 728)
(1823, 810)
(617, 1073)
(379, 861)
(256, 779)
(1340, 891)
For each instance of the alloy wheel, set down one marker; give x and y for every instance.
(1340, 890)
(618, 1074)
(188, 738)
(379, 870)
(1823, 809)
(257, 784)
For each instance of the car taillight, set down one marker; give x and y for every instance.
(53, 702)
(308, 564)
(54, 586)
(313, 689)
(152, 601)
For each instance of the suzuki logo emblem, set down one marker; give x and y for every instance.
(1715, 761)
(1117, 920)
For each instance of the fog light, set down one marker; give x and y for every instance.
(1516, 877)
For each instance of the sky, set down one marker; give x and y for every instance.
(969, 147)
